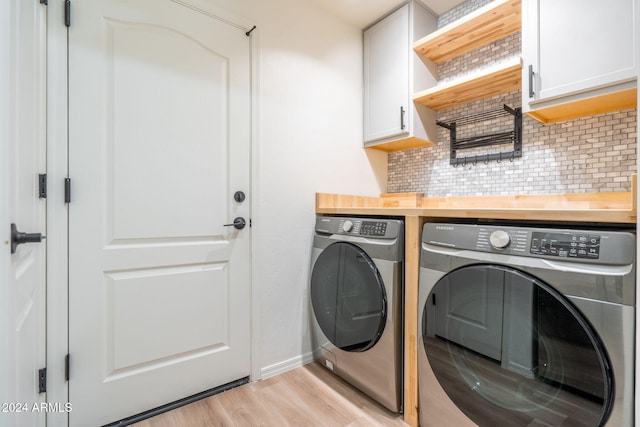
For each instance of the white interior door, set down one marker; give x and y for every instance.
(159, 141)
(27, 159)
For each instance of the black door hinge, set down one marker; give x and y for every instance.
(42, 186)
(66, 367)
(44, 2)
(67, 190)
(42, 380)
(67, 13)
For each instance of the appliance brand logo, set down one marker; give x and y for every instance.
(444, 227)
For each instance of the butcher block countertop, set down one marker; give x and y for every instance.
(612, 208)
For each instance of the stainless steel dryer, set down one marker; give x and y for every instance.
(526, 326)
(357, 299)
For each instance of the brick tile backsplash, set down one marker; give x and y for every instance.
(588, 154)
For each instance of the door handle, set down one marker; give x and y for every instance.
(531, 73)
(18, 238)
(402, 124)
(239, 223)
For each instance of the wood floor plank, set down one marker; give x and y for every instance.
(309, 396)
(213, 414)
(377, 414)
(298, 397)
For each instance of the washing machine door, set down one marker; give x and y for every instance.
(509, 350)
(348, 297)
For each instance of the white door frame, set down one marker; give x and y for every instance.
(57, 158)
(5, 107)
(57, 309)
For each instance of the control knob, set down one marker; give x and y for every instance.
(347, 226)
(499, 239)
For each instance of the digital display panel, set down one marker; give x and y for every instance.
(566, 245)
(373, 228)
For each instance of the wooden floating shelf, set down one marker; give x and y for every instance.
(400, 144)
(487, 24)
(496, 80)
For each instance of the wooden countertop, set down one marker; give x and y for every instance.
(611, 207)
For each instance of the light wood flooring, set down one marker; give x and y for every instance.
(306, 396)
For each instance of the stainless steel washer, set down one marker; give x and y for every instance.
(357, 298)
(526, 326)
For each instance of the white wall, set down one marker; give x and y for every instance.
(310, 133)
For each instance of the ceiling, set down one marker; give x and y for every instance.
(361, 13)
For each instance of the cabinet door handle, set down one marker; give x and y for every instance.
(402, 125)
(531, 91)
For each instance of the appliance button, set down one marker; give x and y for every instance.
(347, 226)
(499, 239)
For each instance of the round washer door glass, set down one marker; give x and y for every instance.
(509, 350)
(348, 297)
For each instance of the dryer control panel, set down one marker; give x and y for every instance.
(378, 228)
(373, 228)
(578, 245)
(595, 246)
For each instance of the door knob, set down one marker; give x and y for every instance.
(239, 223)
(18, 238)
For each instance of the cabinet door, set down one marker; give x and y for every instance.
(573, 46)
(386, 77)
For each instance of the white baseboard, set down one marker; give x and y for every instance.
(286, 365)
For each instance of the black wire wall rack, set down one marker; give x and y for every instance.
(505, 126)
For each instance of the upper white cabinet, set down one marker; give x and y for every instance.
(580, 57)
(392, 73)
